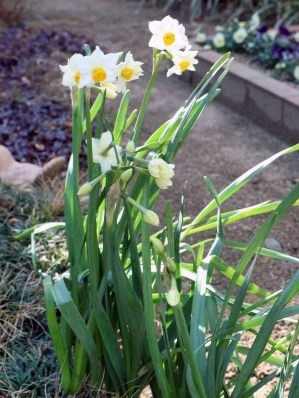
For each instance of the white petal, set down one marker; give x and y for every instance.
(121, 86)
(75, 60)
(156, 42)
(163, 183)
(154, 27)
(96, 148)
(105, 164)
(105, 140)
(64, 68)
(68, 80)
(153, 167)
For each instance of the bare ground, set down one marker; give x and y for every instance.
(223, 145)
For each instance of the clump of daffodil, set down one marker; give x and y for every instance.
(105, 152)
(127, 71)
(162, 172)
(75, 73)
(168, 34)
(183, 60)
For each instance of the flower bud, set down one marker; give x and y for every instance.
(130, 146)
(126, 175)
(85, 189)
(151, 218)
(170, 265)
(157, 245)
(111, 200)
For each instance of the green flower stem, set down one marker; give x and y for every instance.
(136, 160)
(156, 67)
(134, 203)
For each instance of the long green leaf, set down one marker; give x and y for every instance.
(71, 314)
(148, 305)
(60, 349)
(121, 117)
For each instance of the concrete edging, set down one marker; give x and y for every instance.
(268, 102)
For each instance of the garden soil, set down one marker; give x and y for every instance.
(223, 145)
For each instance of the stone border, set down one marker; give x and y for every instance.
(268, 102)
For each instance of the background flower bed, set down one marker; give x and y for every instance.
(274, 49)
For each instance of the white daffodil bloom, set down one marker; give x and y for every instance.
(103, 153)
(240, 35)
(162, 172)
(296, 37)
(183, 60)
(219, 40)
(255, 21)
(75, 73)
(127, 71)
(168, 35)
(200, 37)
(219, 28)
(101, 67)
(111, 90)
(296, 72)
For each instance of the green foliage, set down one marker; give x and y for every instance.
(103, 316)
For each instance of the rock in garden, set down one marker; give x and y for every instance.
(26, 175)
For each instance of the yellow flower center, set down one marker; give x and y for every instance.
(184, 65)
(77, 77)
(168, 38)
(99, 75)
(127, 73)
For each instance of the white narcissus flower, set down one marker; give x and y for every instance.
(240, 35)
(296, 72)
(127, 71)
(200, 37)
(183, 60)
(75, 73)
(101, 67)
(168, 34)
(219, 40)
(103, 153)
(162, 172)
